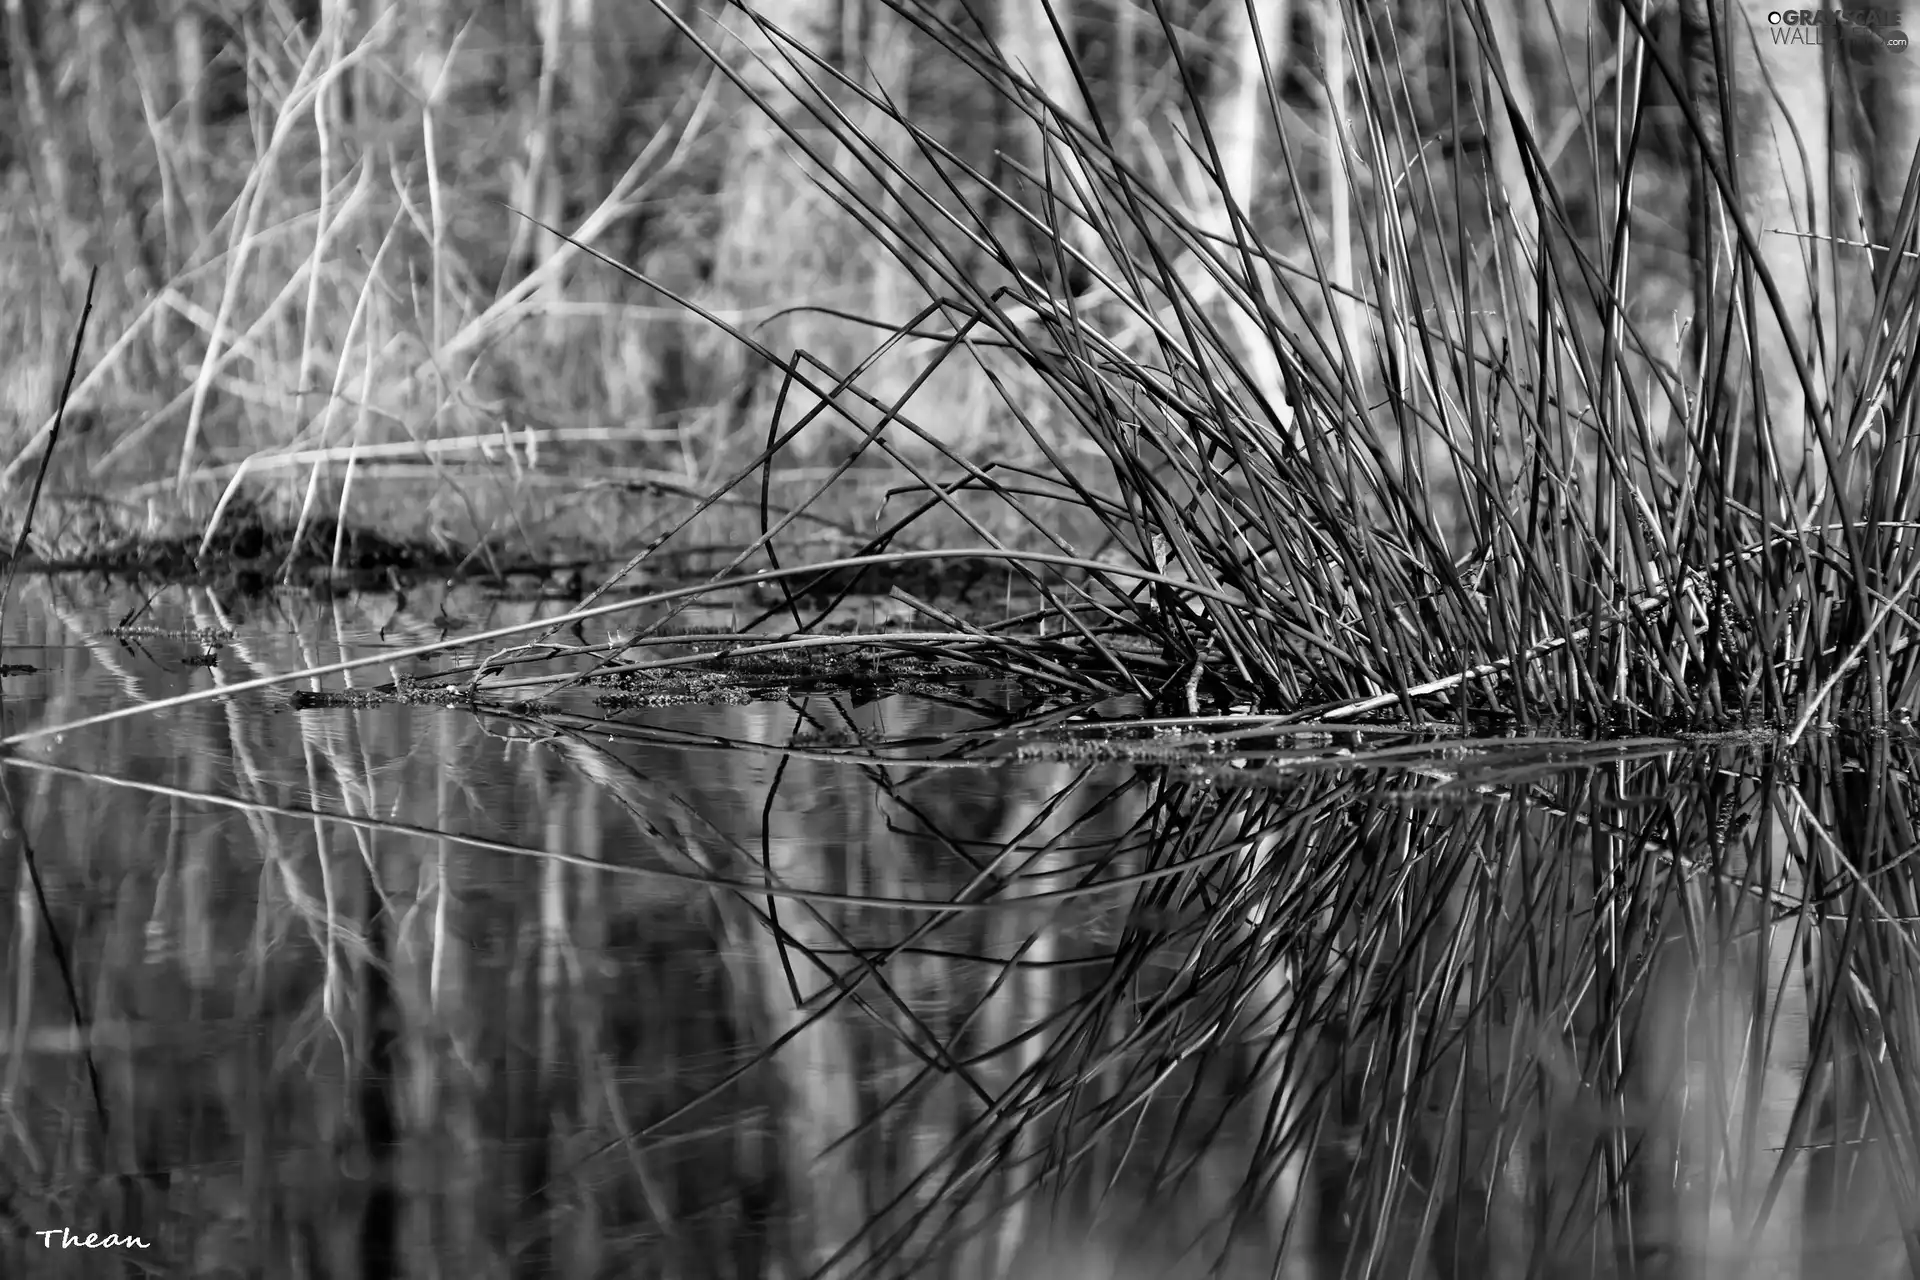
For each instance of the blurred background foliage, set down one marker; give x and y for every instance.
(301, 213)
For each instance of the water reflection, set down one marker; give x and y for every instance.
(404, 990)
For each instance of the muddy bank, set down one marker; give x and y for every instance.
(256, 547)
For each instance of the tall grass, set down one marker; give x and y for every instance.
(1364, 340)
(309, 267)
(1503, 492)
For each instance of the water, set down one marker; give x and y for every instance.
(859, 984)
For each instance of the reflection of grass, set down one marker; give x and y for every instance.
(1565, 1025)
(719, 992)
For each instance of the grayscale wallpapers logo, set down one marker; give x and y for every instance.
(1865, 34)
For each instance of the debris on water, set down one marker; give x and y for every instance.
(208, 637)
(727, 679)
(738, 695)
(335, 699)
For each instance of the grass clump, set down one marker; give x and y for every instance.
(1444, 365)
(1466, 480)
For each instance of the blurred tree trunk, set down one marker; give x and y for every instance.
(1766, 125)
(1508, 34)
(1253, 36)
(1340, 189)
(1036, 37)
(1126, 71)
(1891, 100)
(538, 188)
(29, 58)
(1891, 103)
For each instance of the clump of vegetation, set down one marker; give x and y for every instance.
(1466, 501)
(1355, 366)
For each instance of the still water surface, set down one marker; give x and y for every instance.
(860, 985)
